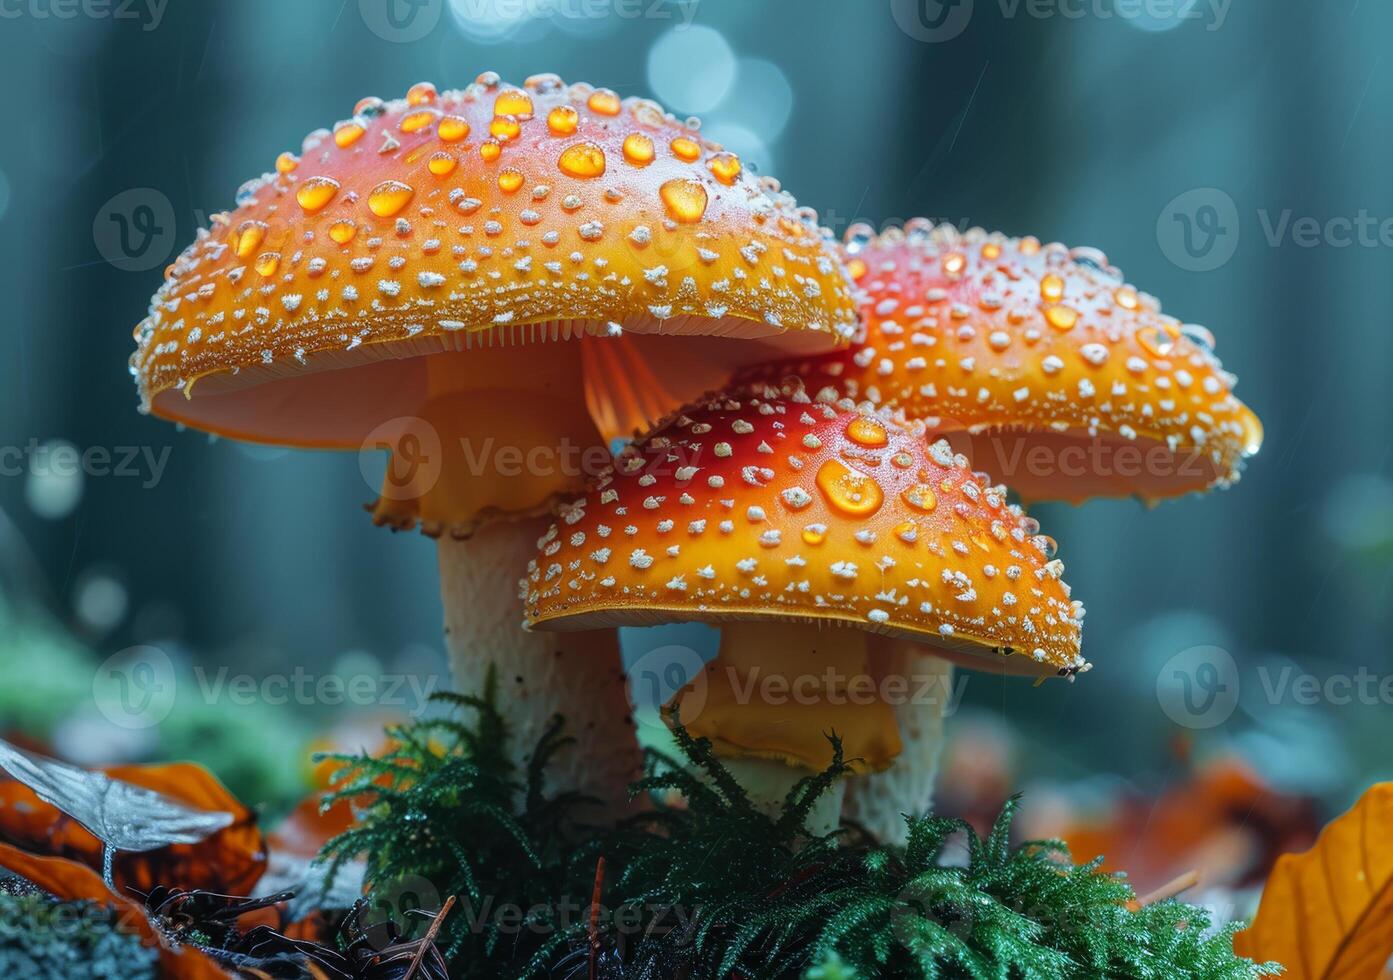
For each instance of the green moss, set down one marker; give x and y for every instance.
(714, 888)
(43, 938)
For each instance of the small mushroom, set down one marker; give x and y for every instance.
(824, 540)
(1061, 379)
(491, 282)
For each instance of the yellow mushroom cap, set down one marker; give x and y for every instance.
(459, 220)
(763, 505)
(1040, 351)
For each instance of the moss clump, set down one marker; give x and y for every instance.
(713, 888)
(43, 938)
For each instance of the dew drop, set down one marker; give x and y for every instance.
(685, 199)
(954, 263)
(413, 121)
(316, 192)
(866, 431)
(582, 160)
(1160, 341)
(1047, 545)
(685, 149)
(815, 534)
(510, 180)
(389, 197)
(347, 133)
(441, 163)
(725, 167)
(991, 250)
(342, 232)
(267, 263)
(856, 268)
(286, 162)
(452, 129)
(490, 149)
(513, 102)
(422, 93)
(638, 149)
(249, 236)
(1030, 245)
(1052, 288)
(504, 128)
(604, 101)
(370, 107)
(921, 497)
(1125, 297)
(562, 120)
(847, 490)
(1062, 317)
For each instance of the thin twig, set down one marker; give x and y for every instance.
(1171, 889)
(595, 918)
(429, 939)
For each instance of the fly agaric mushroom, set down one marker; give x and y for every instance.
(821, 539)
(1068, 382)
(508, 267)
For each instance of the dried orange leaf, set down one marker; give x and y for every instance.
(1327, 914)
(73, 882)
(229, 861)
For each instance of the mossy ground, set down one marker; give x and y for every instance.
(711, 887)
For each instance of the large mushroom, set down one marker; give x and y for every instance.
(1042, 364)
(820, 538)
(519, 273)
(1060, 378)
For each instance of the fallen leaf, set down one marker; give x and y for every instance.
(231, 860)
(1327, 914)
(74, 882)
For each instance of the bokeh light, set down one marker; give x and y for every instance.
(691, 69)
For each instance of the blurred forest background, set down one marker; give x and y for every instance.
(1083, 121)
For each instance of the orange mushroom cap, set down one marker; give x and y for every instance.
(1035, 349)
(764, 505)
(455, 220)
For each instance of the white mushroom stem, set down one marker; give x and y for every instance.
(878, 801)
(577, 675)
(767, 783)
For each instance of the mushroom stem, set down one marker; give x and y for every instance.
(767, 783)
(878, 801)
(577, 675)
